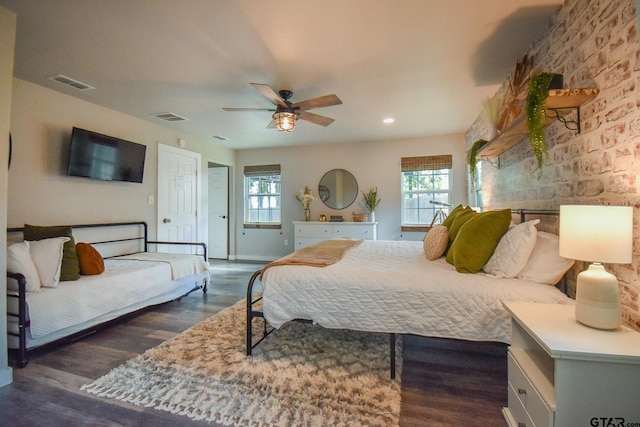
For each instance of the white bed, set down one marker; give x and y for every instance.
(389, 286)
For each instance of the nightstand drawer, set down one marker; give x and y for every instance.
(524, 391)
(516, 415)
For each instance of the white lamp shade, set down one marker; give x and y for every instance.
(596, 233)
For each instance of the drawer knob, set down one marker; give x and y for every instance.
(522, 391)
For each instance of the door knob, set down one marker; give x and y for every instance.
(166, 220)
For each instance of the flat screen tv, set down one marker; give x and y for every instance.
(98, 156)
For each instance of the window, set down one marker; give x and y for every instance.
(425, 180)
(262, 196)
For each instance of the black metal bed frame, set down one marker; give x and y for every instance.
(267, 329)
(21, 354)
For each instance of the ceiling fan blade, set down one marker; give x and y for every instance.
(315, 118)
(270, 94)
(271, 125)
(247, 109)
(319, 102)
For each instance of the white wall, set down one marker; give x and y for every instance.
(41, 193)
(374, 164)
(7, 44)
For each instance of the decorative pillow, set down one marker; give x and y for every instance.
(91, 262)
(513, 250)
(465, 215)
(47, 257)
(19, 261)
(477, 239)
(70, 264)
(545, 265)
(452, 215)
(435, 242)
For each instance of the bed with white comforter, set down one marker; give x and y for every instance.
(389, 286)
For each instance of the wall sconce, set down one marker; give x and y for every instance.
(597, 234)
(285, 121)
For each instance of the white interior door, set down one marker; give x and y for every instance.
(219, 212)
(178, 197)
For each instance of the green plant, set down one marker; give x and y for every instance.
(537, 112)
(370, 199)
(471, 157)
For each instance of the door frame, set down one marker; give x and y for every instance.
(163, 148)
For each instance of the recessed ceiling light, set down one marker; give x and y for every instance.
(388, 120)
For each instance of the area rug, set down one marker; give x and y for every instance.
(301, 375)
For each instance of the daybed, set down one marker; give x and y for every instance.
(134, 277)
(392, 286)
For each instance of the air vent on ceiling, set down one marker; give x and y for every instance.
(169, 117)
(221, 138)
(71, 82)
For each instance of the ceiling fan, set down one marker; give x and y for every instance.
(286, 113)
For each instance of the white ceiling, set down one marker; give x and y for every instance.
(428, 64)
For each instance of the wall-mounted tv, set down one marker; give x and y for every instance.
(98, 156)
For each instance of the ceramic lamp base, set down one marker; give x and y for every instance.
(597, 300)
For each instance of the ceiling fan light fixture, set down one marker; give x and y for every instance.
(285, 121)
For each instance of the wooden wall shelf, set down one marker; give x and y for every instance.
(560, 103)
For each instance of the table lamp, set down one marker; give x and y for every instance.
(597, 234)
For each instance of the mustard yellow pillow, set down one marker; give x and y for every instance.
(477, 239)
(91, 262)
(452, 215)
(465, 215)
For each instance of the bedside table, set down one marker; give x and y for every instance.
(565, 374)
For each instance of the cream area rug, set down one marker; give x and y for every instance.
(301, 375)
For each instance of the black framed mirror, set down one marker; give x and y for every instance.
(338, 189)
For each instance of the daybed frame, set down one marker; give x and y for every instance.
(267, 330)
(21, 353)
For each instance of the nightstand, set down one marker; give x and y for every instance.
(565, 374)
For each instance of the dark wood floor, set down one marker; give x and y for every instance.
(444, 382)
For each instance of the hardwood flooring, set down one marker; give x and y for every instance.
(444, 382)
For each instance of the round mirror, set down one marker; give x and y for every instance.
(338, 189)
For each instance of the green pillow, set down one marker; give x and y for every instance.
(70, 269)
(465, 215)
(477, 239)
(452, 215)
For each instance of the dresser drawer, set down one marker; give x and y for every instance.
(303, 242)
(522, 390)
(353, 231)
(322, 231)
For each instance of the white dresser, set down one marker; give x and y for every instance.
(565, 374)
(307, 233)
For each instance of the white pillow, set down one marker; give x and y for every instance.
(19, 261)
(435, 242)
(545, 264)
(513, 250)
(47, 256)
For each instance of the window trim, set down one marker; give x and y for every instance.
(419, 164)
(261, 171)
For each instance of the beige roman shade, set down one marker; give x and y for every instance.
(421, 163)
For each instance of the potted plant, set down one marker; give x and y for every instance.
(537, 112)
(471, 157)
(371, 200)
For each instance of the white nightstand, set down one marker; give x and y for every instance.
(565, 374)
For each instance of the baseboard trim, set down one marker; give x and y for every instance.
(255, 258)
(6, 376)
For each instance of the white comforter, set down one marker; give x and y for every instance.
(123, 283)
(389, 286)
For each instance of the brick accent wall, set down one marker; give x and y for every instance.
(593, 44)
